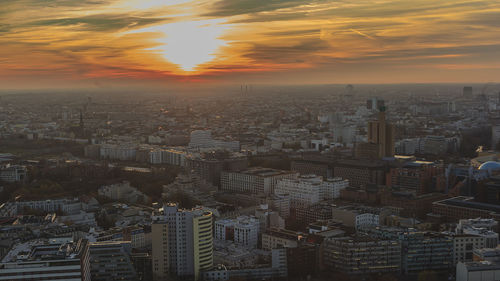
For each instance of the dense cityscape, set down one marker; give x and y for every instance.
(332, 182)
(249, 140)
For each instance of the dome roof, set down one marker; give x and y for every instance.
(490, 165)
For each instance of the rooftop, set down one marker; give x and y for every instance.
(466, 202)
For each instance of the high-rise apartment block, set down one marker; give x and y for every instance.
(182, 242)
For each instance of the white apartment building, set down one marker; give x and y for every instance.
(254, 180)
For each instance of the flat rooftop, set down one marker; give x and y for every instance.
(265, 172)
(466, 202)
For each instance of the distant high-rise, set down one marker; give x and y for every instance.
(382, 133)
(467, 92)
(182, 242)
(380, 139)
(374, 103)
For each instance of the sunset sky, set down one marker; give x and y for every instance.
(61, 43)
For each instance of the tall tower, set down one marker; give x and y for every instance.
(182, 242)
(381, 132)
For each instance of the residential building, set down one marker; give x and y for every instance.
(182, 242)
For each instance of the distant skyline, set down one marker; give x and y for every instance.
(153, 43)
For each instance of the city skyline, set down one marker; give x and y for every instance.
(124, 43)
